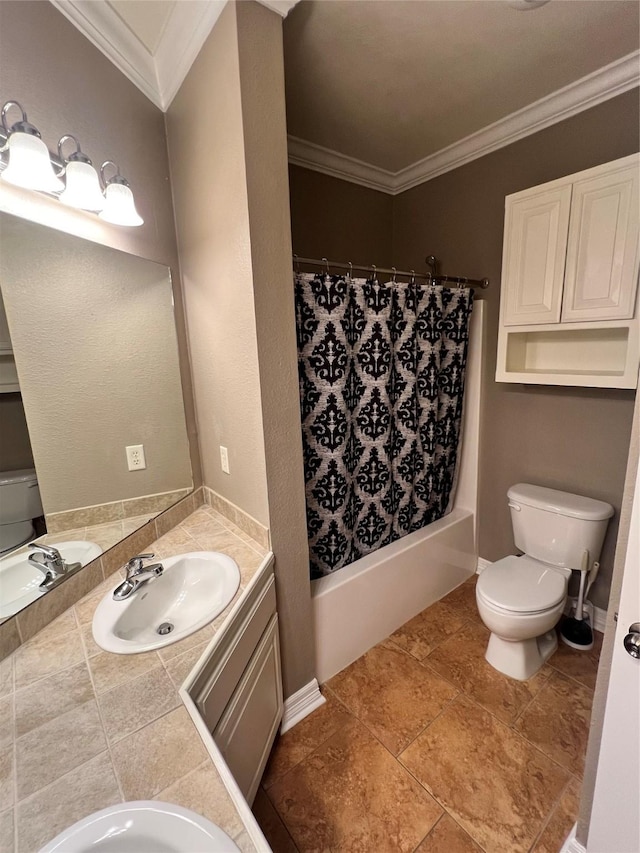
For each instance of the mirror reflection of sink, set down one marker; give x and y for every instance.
(20, 581)
(142, 827)
(193, 589)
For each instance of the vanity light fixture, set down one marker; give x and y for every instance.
(82, 188)
(29, 161)
(32, 166)
(119, 208)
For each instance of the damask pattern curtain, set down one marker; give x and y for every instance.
(382, 369)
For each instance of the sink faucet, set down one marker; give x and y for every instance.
(50, 561)
(137, 575)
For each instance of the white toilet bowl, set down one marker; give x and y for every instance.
(520, 600)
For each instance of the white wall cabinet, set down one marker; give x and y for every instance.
(238, 691)
(568, 305)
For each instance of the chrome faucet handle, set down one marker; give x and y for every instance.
(48, 551)
(135, 564)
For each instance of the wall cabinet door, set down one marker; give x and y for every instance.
(602, 252)
(249, 724)
(536, 228)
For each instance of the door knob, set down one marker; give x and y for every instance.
(632, 640)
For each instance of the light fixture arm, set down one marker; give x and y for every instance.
(76, 156)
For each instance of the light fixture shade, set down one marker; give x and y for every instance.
(119, 207)
(83, 187)
(30, 165)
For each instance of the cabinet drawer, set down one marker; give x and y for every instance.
(229, 659)
(248, 727)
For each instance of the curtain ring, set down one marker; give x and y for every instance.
(296, 263)
(326, 265)
(393, 274)
(350, 273)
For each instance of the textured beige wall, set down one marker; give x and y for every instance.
(567, 438)
(67, 86)
(227, 147)
(265, 142)
(206, 149)
(335, 219)
(15, 447)
(94, 341)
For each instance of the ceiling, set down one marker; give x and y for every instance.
(389, 93)
(390, 83)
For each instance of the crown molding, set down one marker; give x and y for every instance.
(611, 80)
(184, 35)
(282, 7)
(108, 32)
(319, 159)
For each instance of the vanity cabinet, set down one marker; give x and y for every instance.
(568, 311)
(238, 692)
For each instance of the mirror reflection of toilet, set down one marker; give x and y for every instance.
(19, 505)
(521, 599)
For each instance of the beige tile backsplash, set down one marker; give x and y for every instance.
(82, 729)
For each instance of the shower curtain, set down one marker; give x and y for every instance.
(381, 368)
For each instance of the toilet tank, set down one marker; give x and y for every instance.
(557, 527)
(19, 496)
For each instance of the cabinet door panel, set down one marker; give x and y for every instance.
(248, 727)
(602, 253)
(536, 229)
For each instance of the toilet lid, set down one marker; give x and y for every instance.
(522, 584)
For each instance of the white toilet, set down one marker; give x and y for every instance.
(19, 505)
(520, 599)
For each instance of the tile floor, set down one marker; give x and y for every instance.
(422, 746)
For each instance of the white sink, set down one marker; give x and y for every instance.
(191, 592)
(142, 827)
(20, 581)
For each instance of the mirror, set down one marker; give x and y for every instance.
(88, 368)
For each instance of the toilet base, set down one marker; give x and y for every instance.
(520, 659)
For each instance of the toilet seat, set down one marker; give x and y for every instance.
(522, 585)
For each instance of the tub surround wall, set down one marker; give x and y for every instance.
(124, 718)
(227, 147)
(68, 86)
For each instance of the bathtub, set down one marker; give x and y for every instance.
(362, 604)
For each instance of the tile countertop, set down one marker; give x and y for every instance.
(82, 729)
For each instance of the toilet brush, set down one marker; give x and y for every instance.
(575, 631)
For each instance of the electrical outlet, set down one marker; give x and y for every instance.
(135, 457)
(224, 459)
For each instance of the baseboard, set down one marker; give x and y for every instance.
(482, 565)
(571, 845)
(302, 703)
(599, 615)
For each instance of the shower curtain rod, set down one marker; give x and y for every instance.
(431, 260)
